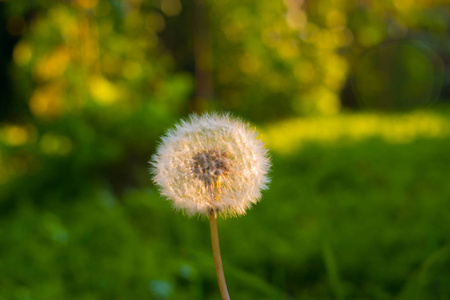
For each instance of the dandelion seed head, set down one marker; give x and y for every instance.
(211, 163)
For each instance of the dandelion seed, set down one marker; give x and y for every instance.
(211, 163)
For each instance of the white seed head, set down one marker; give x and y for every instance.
(211, 164)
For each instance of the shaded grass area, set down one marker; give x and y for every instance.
(365, 219)
(377, 212)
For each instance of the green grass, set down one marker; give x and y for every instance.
(364, 218)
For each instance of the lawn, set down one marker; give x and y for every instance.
(358, 208)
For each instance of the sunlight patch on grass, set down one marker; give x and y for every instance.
(288, 136)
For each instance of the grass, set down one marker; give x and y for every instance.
(355, 211)
(289, 136)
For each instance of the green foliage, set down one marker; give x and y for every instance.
(98, 92)
(295, 57)
(353, 220)
(399, 76)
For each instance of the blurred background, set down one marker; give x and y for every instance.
(351, 97)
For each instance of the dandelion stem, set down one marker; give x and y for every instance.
(217, 257)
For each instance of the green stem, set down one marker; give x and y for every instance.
(217, 257)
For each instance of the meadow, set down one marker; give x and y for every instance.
(358, 208)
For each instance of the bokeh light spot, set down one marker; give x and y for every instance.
(102, 90)
(47, 100)
(155, 22)
(132, 70)
(249, 64)
(335, 19)
(171, 7)
(370, 35)
(22, 53)
(14, 135)
(55, 144)
(87, 4)
(53, 65)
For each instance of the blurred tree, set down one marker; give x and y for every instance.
(202, 55)
(95, 81)
(9, 31)
(98, 88)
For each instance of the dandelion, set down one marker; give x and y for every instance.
(212, 165)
